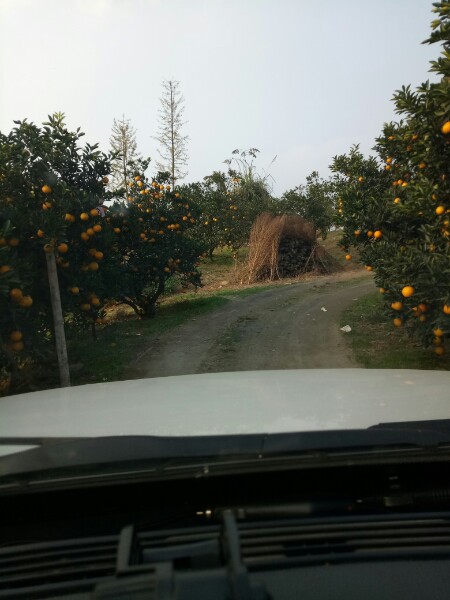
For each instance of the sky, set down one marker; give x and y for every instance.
(301, 80)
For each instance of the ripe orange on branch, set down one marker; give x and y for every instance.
(407, 291)
(26, 302)
(15, 336)
(446, 127)
(397, 305)
(16, 294)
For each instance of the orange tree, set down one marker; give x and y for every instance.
(401, 222)
(150, 243)
(50, 187)
(218, 218)
(230, 202)
(314, 202)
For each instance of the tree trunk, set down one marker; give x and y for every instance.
(58, 321)
(172, 111)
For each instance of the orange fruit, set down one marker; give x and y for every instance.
(16, 294)
(63, 248)
(68, 217)
(446, 127)
(377, 234)
(46, 189)
(396, 200)
(93, 212)
(48, 248)
(84, 236)
(26, 302)
(2, 242)
(388, 167)
(382, 291)
(98, 255)
(439, 350)
(14, 242)
(370, 234)
(446, 309)
(389, 160)
(422, 307)
(348, 257)
(90, 231)
(407, 291)
(397, 305)
(137, 178)
(422, 165)
(440, 210)
(398, 322)
(15, 336)
(93, 266)
(438, 332)
(75, 290)
(17, 346)
(357, 232)
(360, 179)
(85, 307)
(40, 233)
(140, 184)
(404, 184)
(422, 318)
(95, 302)
(4, 269)
(84, 216)
(437, 341)
(116, 230)
(369, 268)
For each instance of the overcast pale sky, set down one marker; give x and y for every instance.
(300, 79)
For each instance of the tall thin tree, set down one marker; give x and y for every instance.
(123, 144)
(173, 144)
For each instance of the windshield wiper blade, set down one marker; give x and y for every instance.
(122, 450)
(115, 450)
(36, 441)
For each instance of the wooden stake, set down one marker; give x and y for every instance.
(58, 321)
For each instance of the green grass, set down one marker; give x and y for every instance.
(107, 359)
(222, 266)
(330, 243)
(378, 345)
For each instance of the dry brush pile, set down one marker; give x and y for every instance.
(284, 246)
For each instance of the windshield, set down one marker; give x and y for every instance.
(222, 218)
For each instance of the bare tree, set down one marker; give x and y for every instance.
(123, 145)
(173, 149)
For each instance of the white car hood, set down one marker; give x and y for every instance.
(228, 403)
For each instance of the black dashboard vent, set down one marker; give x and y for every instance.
(275, 544)
(102, 565)
(34, 570)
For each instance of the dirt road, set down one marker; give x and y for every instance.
(284, 327)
